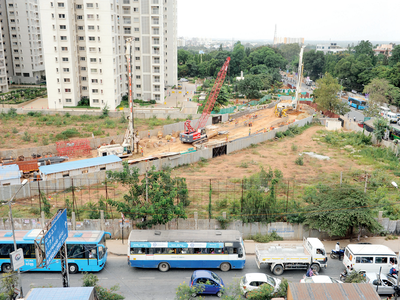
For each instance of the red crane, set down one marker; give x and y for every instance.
(198, 133)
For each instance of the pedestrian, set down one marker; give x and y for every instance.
(249, 131)
(354, 118)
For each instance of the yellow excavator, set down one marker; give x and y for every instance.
(280, 111)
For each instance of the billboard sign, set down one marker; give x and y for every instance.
(56, 236)
(17, 259)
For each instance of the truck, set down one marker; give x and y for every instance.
(310, 254)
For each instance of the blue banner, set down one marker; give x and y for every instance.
(140, 245)
(56, 236)
(215, 245)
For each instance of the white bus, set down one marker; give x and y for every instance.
(165, 249)
(369, 258)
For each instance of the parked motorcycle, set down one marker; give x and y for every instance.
(335, 254)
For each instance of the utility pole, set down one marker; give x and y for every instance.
(40, 195)
(287, 195)
(341, 176)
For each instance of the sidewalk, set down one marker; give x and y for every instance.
(116, 247)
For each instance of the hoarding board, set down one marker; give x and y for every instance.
(56, 236)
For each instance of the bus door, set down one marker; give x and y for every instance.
(91, 256)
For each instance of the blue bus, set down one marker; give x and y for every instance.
(87, 251)
(165, 249)
(358, 103)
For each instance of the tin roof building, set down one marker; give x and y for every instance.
(9, 175)
(76, 293)
(75, 168)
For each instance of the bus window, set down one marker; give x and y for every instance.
(28, 250)
(157, 250)
(5, 250)
(102, 251)
(75, 251)
(381, 260)
(138, 251)
(358, 259)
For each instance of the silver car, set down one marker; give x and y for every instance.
(383, 285)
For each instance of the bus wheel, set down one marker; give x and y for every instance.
(315, 267)
(278, 270)
(6, 268)
(163, 267)
(72, 268)
(225, 267)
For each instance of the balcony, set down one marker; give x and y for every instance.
(156, 42)
(127, 30)
(155, 11)
(157, 80)
(127, 21)
(127, 11)
(157, 52)
(126, 2)
(156, 61)
(155, 22)
(156, 70)
(154, 2)
(156, 31)
(156, 89)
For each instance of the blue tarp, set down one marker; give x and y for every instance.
(9, 172)
(79, 164)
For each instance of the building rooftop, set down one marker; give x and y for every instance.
(75, 293)
(330, 291)
(9, 172)
(79, 164)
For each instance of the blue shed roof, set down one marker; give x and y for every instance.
(79, 164)
(9, 172)
(76, 293)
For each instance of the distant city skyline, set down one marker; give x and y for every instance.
(342, 20)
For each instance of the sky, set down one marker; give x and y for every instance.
(338, 20)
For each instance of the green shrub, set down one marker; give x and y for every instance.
(294, 147)
(15, 130)
(279, 135)
(26, 137)
(223, 203)
(66, 134)
(45, 141)
(259, 238)
(299, 161)
(67, 115)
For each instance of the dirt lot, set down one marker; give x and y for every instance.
(262, 120)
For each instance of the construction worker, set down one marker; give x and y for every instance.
(148, 134)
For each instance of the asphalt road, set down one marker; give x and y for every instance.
(146, 284)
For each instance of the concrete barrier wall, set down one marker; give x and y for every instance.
(287, 231)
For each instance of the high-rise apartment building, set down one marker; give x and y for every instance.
(21, 34)
(3, 69)
(85, 42)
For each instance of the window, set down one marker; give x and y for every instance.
(136, 39)
(89, 5)
(138, 86)
(93, 60)
(90, 27)
(79, 17)
(81, 38)
(102, 168)
(365, 260)
(81, 48)
(94, 81)
(83, 58)
(79, 6)
(137, 58)
(381, 260)
(63, 27)
(93, 70)
(136, 9)
(61, 16)
(67, 80)
(63, 38)
(138, 95)
(84, 78)
(137, 76)
(84, 88)
(137, 67)
(137, 48)
(64, 48)
(92, 38)
(60, 4)
(90, 16)
(136, 29)
(83, 68)
(80, 27)
(95, 91)
(66, 70)
(68, 100)
(68, 90)
(95, 100)
(65, 59)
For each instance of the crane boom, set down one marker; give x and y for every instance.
(299, 77)
(191, 134)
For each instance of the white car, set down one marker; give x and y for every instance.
(384, 286)
(252, 281)
(319, 279)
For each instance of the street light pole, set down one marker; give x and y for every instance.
(13, 233)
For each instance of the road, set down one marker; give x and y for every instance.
(146, 284)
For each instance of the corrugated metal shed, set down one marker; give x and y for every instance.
(9, 172)
(75, 293)
(332, 291)
(79, 164)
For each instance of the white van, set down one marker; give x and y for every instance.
(369, 258)
(392, 117)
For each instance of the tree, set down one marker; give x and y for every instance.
(395, 58)
(364, 47)
(335, 209)
(164, 201)
(250, 86)
(183, 56)
(238, 54)
(102, 293)
(263, 292)
(380, 125)
(290, 51)
(223, 96)
(8, 284)
(314, 62)
(378, 91)
(325, 95)
(186, 292)
(355, 277)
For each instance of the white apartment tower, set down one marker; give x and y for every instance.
(3, 69)
(85, 42)
(21, 33)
